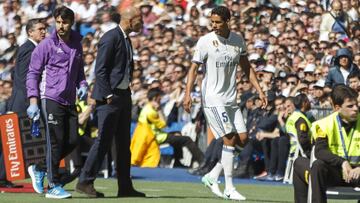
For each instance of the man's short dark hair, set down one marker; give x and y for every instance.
(154, 92)
(65, 13)
(342, 92)
(222, 11)
(354, 74)
(300, 100)
(32, 22)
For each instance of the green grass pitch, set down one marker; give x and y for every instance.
(165, 192)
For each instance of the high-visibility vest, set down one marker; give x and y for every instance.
(292, 132)
(340, 143)
(149, 116)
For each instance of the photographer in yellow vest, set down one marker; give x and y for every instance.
(337, 145)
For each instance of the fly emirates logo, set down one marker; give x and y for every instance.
(13, 155)
(228, 62)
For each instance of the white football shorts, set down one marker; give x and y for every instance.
(224, 120)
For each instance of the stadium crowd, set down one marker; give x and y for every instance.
(295, 47)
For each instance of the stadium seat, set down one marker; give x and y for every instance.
(345, 193)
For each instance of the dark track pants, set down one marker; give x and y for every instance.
(61, 125)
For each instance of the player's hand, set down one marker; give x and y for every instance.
(187, 103)
(355, 173)
(346, 168)
(33, 111)
(264, 100)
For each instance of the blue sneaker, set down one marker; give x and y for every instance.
(57, 192)
(37, 179)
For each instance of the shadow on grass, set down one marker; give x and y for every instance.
(268, 201)
(150, 197)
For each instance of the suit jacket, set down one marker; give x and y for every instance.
(18, 101)
(111, 63)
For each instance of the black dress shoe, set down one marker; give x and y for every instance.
(131, 193)
(88, 190)
(8, 184)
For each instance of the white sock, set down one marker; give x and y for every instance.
(215, 172)
(227, 161)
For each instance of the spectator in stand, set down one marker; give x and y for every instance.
(336, 20)
(46, 8)
(275, 143)
(7, 18)
(343, 66)
(320, 97)
(354, 81)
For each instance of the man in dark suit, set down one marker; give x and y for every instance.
(114, 65)
(18, 101)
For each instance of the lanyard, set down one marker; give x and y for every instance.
(342, 137)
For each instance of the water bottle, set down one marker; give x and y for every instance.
(35, 127)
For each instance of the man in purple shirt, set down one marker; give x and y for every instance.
(56, 71)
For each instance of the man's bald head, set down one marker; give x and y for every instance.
(131, 19)
(129, 13)
(336, 7)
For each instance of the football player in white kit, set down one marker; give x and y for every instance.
(221, 52)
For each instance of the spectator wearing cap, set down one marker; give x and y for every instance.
(336, 20)
(343, 66)
(285, 8)
(321, 99)
(253, 59)
(260, 48)
(268, 74)
(309, 72)
(148, 16)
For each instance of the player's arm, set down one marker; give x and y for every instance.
(191, 77)
(250, 73)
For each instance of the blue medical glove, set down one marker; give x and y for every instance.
(33, 111)
(82, 92)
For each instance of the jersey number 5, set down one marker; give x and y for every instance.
(225, 117)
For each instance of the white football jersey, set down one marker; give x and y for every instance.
(220, 57)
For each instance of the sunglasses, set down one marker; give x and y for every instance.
(291, 82)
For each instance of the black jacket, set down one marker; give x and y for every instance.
(18, 102)
(111, 63)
